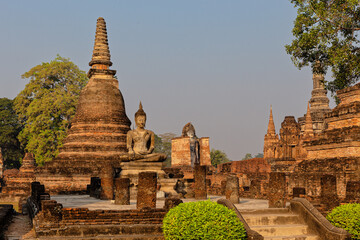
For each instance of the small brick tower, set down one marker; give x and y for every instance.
(270, 139)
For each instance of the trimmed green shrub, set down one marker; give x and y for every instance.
(346, 216)
(202, 220)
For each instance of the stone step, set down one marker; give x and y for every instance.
(264, 211)
(90, 231)
(282, 230)
(272, 219)
(121, 237)
(297, 237)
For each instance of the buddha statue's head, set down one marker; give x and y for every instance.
(140, 117)
(189, 131)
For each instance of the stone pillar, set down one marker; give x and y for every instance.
(232, 189)
(107, 183)
(200, 182)
(122, 191)
(146, 195)
(277, 188)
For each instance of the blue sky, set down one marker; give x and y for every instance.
(217, 64)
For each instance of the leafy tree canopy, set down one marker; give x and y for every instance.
(10, 127)
(247, 156)
(217, 157)
(163, 145)
(47, 104)
(326, 36)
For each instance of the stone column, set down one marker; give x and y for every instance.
(122, 191)
(107, 183)
(232, 189)
(146, 195)
(200, 182)
(277, 190)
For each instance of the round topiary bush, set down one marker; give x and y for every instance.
(202, 220)
(346, 216)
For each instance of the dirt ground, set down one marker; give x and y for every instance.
(19, 228)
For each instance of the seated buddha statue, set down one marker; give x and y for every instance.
(140, 141)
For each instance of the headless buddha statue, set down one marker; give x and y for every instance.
(141, 142)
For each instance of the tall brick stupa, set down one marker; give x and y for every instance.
(98, 130)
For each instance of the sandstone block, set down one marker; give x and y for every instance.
(122, 191)
(146, 195)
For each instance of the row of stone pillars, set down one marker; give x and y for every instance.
(146, 194)
(147, 186)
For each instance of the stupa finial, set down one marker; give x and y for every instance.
(101, 53)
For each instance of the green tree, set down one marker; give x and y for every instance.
(47, 104)
(326, 36)
(163, 145)
(217, 157)
(259, 155)
(10, 128)
(247, 156)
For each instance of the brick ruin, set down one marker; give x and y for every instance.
(320, 154)
(253, 175)
(16, 182)
(316, 157)
(52, 220)
(181, 153)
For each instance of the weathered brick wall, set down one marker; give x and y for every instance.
(254, 165)
(180, 151)
(71, 216)
(63, 183)
(346, 149)
(205, 151)
(253, 177)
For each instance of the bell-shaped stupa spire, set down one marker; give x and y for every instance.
(101, 53)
